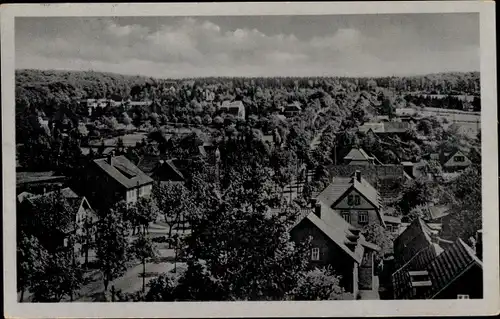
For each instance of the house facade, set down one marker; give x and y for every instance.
(114, 179)
(354, 199)
(236, 108)
(338, 244)
(292, 109)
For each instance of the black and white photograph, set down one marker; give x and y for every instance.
(165, 158)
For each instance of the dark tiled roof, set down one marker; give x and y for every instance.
(415, 238)
(450, 265)
(337, 230)
(32, 177)
(148, 163)
(123, 171)
(338, 187)
(357, 154)
(442, 270)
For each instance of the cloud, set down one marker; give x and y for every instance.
(198, 47)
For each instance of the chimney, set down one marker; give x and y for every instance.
(317, 210)
(110, 159)
(358, 176)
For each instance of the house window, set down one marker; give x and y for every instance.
(357, 200)
(350, 200)
(459, 159)
(315, 253)
(346, 216)
(65, 243)
(462, 296)
(362, 217)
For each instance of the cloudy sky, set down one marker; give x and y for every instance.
(175, 47)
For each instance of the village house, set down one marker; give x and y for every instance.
(236, 108)
(358, 156)
(115, 178)
(292, 109)
(451, 161)
(386, 179)
(79, 223)
(385, 129)
(433, 268)
(392, 224)
(354, 199)
(338, 244)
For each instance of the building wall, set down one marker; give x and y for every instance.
(355, 210)
(102, 190)
(330, 253)
(366, 271)
(358, 162)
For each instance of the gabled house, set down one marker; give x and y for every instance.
(236, 108)
(435, 269)
(385, 128)
(454, 160)
(39, 182)
(116, 178)
(292, 109)
(338, 244)
(357, 156)
(79, 219)
(354, 199)
(164, 170)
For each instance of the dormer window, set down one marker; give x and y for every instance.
(459, 159)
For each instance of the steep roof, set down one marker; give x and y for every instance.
(441, 270)
(357, 154)
(123, 171)
(148, 163)
(340, 185)
(438, 211)
(450, 265)
(338, 231)
(412, 241)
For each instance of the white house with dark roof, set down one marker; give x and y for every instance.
(236, 108)
(354, 199)
(116, 178)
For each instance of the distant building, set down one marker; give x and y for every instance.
(236, 108)
(451, 161)
(354, 199)
(385, 128)
(292, 109)
(338, 244)
(392, 223)
(115, 178)
(357, 156)
(432, 268)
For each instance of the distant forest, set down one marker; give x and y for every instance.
(56, 95)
